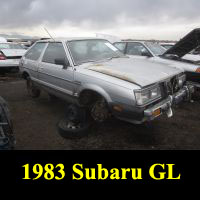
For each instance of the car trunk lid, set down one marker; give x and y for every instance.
(13, 53)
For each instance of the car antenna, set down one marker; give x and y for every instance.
(49, 34)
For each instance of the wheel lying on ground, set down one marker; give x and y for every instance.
(31, 89)
(76, 124)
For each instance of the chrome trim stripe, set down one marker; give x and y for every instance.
(52, 86)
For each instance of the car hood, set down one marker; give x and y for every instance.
(140, 72)
(192, 57)
(190, 42)
(187, 67)
(13, 52)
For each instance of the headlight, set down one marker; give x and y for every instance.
(147, 95)
(181, 80)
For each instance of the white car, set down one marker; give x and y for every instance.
(10, 55)
(189, 56)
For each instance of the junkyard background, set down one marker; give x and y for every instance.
(35, 123)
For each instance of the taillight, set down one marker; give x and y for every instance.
(2, 57)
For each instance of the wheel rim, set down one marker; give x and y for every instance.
(99, 111)
(66, 124)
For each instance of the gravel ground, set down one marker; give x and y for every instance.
(35, 125)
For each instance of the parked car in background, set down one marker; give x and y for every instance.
(182, 49)
(153, 52)
(196, 51)
(7, 139)
(2, 39)
(167, 45)
(94, 75)
(10, 55)
(191, 57)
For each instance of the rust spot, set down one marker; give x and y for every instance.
(98, 65)
(114, 73)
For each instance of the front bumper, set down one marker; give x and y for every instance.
(165, 106)
(139, 115)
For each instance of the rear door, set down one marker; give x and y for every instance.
(55, 76)
(31, 59)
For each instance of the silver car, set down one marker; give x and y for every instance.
(178, 55)
(10, 55)
(92, 73)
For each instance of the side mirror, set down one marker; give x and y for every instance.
(63, 62)
(144, 52)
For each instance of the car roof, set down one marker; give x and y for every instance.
(139, 41)
(167, 43)
(71, 39)
(9, 43)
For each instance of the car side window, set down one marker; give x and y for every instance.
(134, 48)
(55, 51)
(35, 52)
(121, 46)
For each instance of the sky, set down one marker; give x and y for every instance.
(126, 19)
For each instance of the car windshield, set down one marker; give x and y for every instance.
(155, 48)
(10, 46)
(92, 50)
(167, 46)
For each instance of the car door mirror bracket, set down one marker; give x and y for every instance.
(63, 62)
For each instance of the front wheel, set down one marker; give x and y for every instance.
(31, 89)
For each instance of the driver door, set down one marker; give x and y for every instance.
(53, 76)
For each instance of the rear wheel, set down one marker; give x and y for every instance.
(31, 89)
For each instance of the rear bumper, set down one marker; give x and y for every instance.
(9, 63)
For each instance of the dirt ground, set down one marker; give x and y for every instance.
(35, 125)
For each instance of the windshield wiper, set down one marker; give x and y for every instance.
(87, 61)
(113, 57)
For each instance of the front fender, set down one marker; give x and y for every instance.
(96, 89)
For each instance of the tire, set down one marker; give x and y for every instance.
(31, 89)
(99, 111)
(76, 124)
(66, 129)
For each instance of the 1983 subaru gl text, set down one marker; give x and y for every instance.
(92, 73)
